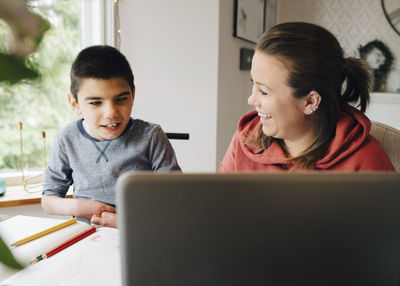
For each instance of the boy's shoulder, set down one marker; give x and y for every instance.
(69, 134)
(140, 125)
(70, 128)
(141, 130)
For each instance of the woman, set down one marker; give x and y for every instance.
(302, 86)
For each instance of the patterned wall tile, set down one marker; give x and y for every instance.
(353, 22)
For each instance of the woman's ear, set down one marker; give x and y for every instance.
(312, 101)
(74, 104)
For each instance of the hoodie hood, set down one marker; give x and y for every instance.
(352, 131)
(248, 125)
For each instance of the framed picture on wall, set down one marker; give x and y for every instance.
(249, 19)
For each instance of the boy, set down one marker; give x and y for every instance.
(92, 152)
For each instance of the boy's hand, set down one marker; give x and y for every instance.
(106, 219)
(87, 209)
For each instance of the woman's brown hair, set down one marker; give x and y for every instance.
(315, 61)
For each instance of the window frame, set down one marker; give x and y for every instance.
(96, 14)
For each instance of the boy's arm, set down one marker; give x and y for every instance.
(74, 207)
(58, 174)
(162, 155)
(57, 205)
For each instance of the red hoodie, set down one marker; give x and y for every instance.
(352, 148)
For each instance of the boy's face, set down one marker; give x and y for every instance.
(105, 105)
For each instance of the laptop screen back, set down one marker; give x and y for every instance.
(260, 229)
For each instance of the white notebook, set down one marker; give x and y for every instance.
(94, 260)
(20, 227)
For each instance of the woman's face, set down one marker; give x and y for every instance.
(281, 114)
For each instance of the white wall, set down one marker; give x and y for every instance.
(186, 66)
(173, 49)
(384, 108)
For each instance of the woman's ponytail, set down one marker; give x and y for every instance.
(358, 83)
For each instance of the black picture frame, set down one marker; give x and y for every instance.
(249, 19)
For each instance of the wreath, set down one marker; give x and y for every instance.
(382, 71)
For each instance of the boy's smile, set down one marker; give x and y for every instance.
(105, 104)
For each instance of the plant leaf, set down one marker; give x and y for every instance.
(6, 256)
(13, 69)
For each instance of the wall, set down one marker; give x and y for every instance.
(186, 66)
(384, 107)
(234, 85)
(186, 63)
(353, 22)
(173, 49)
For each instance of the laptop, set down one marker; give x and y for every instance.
(260, 229)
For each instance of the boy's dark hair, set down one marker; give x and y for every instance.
(101, 62)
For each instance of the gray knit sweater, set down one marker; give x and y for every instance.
(93, 166)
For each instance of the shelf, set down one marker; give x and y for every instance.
(385, 98)
(385, 108)
(17, 196)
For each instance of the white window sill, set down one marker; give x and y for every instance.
(15, 178)
(17, 195)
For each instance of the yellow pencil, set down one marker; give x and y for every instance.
(44, 232)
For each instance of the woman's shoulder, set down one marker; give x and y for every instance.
(370, 156)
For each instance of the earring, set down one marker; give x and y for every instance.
(314, 109)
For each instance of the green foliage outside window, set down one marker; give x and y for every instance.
(40, 104)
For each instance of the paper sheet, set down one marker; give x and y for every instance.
(19, 227)
(95, 260)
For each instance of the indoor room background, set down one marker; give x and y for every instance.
(186, 64)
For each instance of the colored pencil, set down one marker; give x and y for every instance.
(44, 232)
(64, 245)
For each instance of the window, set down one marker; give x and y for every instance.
(41, 105)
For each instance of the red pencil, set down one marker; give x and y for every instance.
(65, 244)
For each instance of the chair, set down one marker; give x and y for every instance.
(389, 138)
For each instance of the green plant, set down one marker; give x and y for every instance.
(6, 256)
(27, 30)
